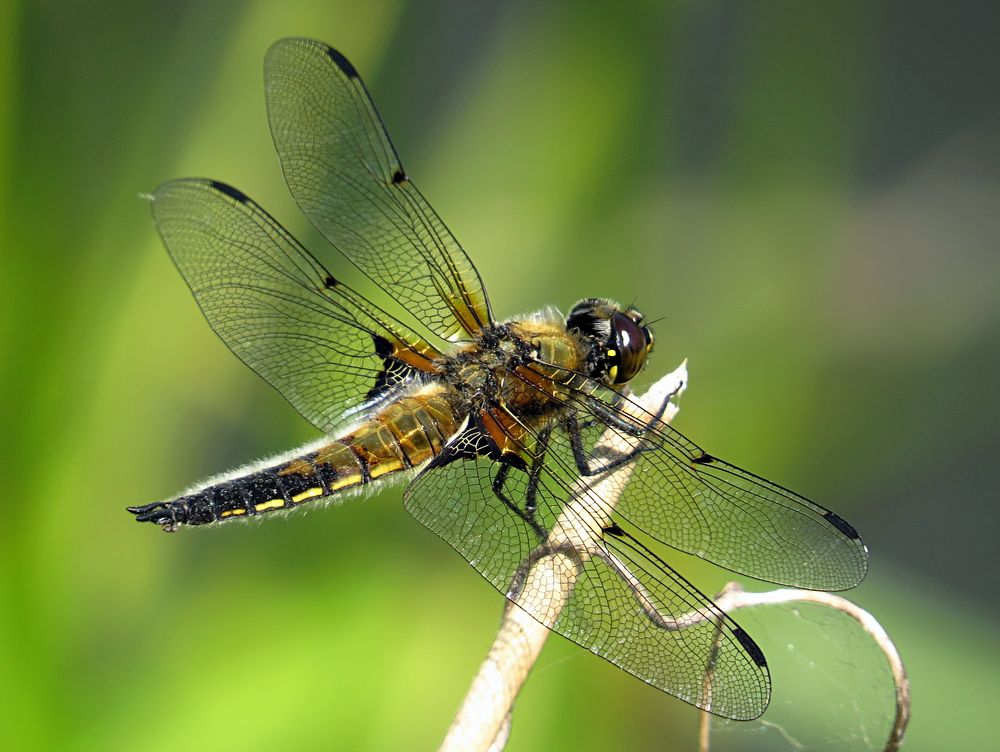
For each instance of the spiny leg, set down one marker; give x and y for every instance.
(535, 471)
(528, 513)
(574, 429)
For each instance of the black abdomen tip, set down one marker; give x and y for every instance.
(166, 514)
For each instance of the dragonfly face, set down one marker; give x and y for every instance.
(618, 341)
(499, 424)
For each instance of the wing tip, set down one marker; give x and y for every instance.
(749, 699)
(182, 185)
(842, 525)
(846, 529)
(345, 65)
(338, 58)
(748, 644)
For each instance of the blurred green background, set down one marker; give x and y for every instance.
(806, 193)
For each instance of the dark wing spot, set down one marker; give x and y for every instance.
(614, 530)
(342, 62)
(394, 371)
(399, 177)
(383, 348)
(704, 459)
(469, 445)
(330, 281)
(513, 459)
(842, 525)
(749, 645)
(233, 193)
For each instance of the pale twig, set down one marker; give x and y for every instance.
(733, 597)
(482, 723)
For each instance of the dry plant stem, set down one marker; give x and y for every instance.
(482, 723)
(734, 597)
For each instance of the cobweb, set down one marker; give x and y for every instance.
(832, 689)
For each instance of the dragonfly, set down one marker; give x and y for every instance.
(498, 425)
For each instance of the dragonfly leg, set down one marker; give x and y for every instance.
(583, 461)
(574, 429)
(535, 471)
(528, 512)
(474, 443)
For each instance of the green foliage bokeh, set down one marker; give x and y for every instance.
(804, 194)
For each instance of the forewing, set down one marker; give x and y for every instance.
(345, 175)
(610, 595)
(690, 500)
(319, 343)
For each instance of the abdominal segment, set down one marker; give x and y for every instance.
(403, 435)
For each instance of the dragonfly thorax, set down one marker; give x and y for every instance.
(477, 369)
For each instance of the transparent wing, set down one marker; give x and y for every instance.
(319, 343)
(608, 593)
(346, 177)
(690, 500)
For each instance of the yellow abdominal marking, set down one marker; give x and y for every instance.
(272, 504)
(233, 512)
(311, 493)
(384, 467)
(348, 480)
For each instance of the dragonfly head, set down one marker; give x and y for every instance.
(617, 339)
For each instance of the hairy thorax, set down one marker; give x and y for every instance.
(515, 366)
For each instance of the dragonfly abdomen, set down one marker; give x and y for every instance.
(401, 436)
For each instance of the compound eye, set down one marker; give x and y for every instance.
(614, 359)
(631, 343)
